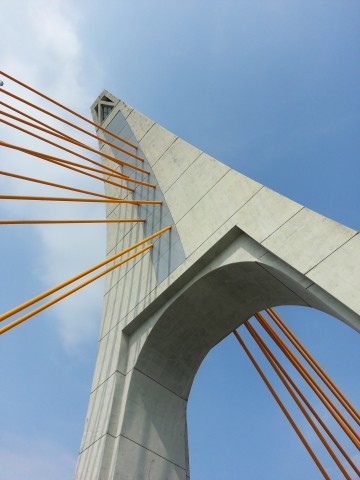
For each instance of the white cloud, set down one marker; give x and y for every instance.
(53, 31)
(69, 250)
(47, 53)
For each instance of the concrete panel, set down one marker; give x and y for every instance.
(91, 461)
(124, 269)
(214, 209)
(156, 419)
(124, 108)
(111, 356)
(342, 282)
(174, 162)
(117, 192)
(138, 463)
(139, 124)
(118, 233)
(136, 281)
(168, 261)
(274, 264)
(332, 306)
(307, 239)
(118, 122)
(155, 143)
(103, 411)
(196, 181)
(110, 313)
(270, 209)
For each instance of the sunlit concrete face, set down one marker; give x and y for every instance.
(235, 248)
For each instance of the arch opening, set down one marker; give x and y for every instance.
(206, 312)
(233, 421)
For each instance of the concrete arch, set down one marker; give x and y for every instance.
(206, 312)
(161, 378)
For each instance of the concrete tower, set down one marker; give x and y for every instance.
(235, 248)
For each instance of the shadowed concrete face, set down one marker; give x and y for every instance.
(202, 316)
(235, 248)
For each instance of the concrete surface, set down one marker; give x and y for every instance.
(235, 248)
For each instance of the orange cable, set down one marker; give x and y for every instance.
(67, 109)
(316, 367)
(120, 176)
(293, 390)
(281, 405)
(45, 222)
(61, 285)
(66, 164)
(75, 199)
(56, 185)
(322, 396)
(48, 304)
(122, 150)
(68, 139)
(318, 418)
(42, 155)
(113, 173)
(47, 126)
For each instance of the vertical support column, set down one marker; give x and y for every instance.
(152, 443)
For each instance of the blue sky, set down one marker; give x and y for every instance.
(269, 88)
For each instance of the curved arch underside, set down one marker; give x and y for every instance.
(205, 313)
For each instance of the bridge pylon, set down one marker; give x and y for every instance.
(235, 247)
